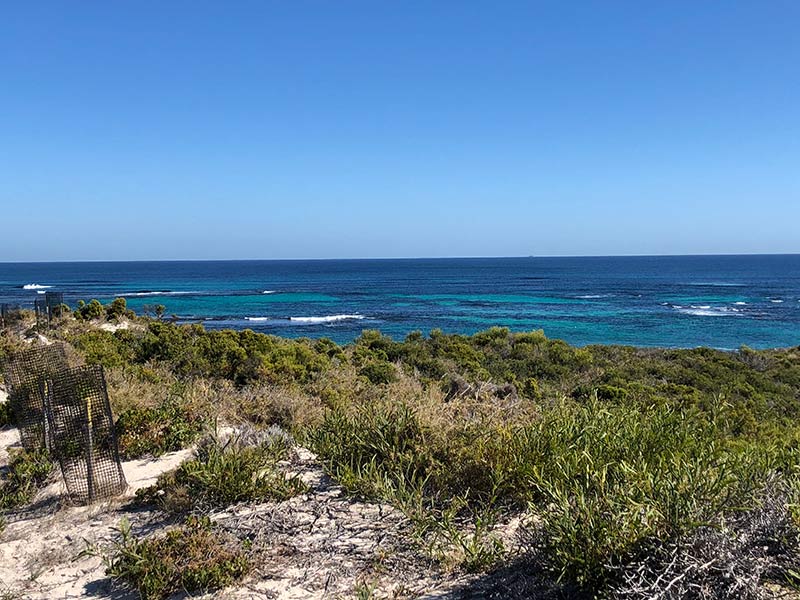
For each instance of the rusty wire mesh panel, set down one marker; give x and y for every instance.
(82, 437)
(24, 374)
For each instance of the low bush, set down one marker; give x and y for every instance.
(617, 451)
(118, 309)
(243, 468)
(609, 481)
(6, 414)
(9, 344)
(89, 311)
(727, 559)
(366, 445)
(27, 472)
(195, 558)
(378, 371)
(143, 431)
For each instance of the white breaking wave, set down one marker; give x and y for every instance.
(716, 284)
(162, 293)
(775, 301)
(268, 292)
(593, 296)
(740, 303)
(328, 319)
(707, 311)
(35, 286)
(307, 320)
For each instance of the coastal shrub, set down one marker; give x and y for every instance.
(372, 442)
(617, 451)
(537, 367)
(245, 467)
(609, 480)
(378, 371)
(288, 408)
(731, 559)
(381, 451)
(118, 309)
(154, 430)
(89, 312)
(196, 558)
(9, 344)
(26, 474)
(240, 356)
(110, 349)
(6, 414)
(605, 478)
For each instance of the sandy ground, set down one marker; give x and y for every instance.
(321, 544)
(112, 327)
(43, 550)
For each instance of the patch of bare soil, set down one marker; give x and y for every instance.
(321, 544)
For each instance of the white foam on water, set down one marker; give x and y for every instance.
(326, 319)
(35, 286)
(708, 311)
(160, 293)
(716, 284)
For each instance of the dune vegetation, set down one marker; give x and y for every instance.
(635, 471)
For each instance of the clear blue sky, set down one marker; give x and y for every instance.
(294, 129)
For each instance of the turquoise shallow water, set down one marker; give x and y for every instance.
(718, 301)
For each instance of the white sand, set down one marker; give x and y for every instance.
(318, 545)
(112, 327)
(42, 554)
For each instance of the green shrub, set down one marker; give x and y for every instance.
(118, 309)
(27, 472)
(609, 479)
(89, 312)
(191, 351)
(153, 431)
(195, 558)
(378, 371)
(243, 468)
(363, 446)
(6, 414)
(110, 349)
(9, 344)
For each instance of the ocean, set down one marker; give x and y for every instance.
(668, 301)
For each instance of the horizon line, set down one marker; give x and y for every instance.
(390, 258)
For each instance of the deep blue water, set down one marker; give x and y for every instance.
(718, 301)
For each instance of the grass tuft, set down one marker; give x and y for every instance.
(243, 468)
(143, 431)
(27, 473)
(195, 558)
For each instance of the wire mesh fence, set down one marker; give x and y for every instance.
(48, 308)
(24, 375)
(8, 313)
(81, 431)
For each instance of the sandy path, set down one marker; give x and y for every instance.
(317, 545)
(43, 549)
